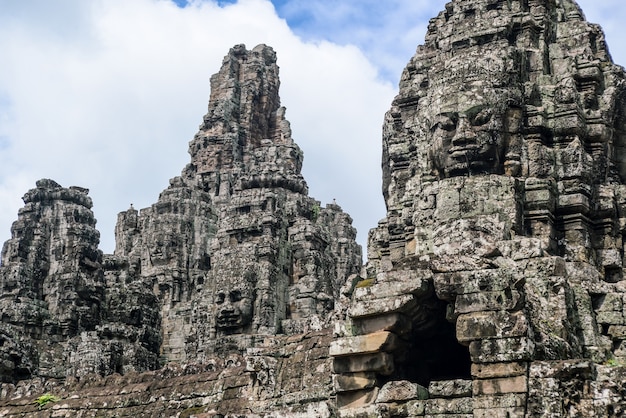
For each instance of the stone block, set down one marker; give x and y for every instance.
(449, 406)
(515, 412)
(485, 325)
(364, 344)
(457, 388)
(493, 370)
(404, 303)
(397, 323)
(575, 202)
(522, 248)
(507, 299)
(563, 370)
(357, 398)
(415, 408)
(449, 416)
(611, 318)
(546, 267)
(354, 381)
(517, 384)
(378, 362)
(371, 410)
(610, 302)
(502, 350)
(449, 285)
(447, 204)
(401, 390)
(540, 196)
(417, 286)
(509, 400)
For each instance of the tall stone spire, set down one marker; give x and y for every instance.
(245, 134)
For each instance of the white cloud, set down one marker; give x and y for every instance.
(111, 103)
(106, 94)
(387, 32)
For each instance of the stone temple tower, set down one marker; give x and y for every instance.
(495, 283)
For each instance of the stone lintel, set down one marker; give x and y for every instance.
(506, 299)
(403, 303)
(502, 350)
(449, 285)
(414, 285)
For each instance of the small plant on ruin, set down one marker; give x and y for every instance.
(315, 212)
(365, 283)
(613, 362)
(45, 399)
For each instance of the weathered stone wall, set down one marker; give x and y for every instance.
(234, 251)
(494, 285)
(498, 270)
(282, 376)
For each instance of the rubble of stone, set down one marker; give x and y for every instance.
(494, 286)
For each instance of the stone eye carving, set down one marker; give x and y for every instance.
(219, 299)
(482, 117)
(234, 296)
(446, 122)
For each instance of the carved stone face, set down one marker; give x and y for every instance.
(234, 309)
(467, 141)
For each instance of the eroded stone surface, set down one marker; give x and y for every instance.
(503, 176)
(495, 280)
(233, 252)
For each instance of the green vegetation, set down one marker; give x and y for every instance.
(315, 212)
(45, 399)
(613, 363)
(365, 283)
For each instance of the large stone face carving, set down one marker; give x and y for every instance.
(503, 241)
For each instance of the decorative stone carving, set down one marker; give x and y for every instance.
(494, 285)
(232, 252)
(503, 175)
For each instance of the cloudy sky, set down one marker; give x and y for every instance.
(106, 94)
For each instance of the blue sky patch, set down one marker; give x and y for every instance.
(183, 3)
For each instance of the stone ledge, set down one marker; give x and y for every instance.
(364, 344)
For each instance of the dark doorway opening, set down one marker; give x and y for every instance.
(432, 352)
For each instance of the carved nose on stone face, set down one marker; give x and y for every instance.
(464, 134)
